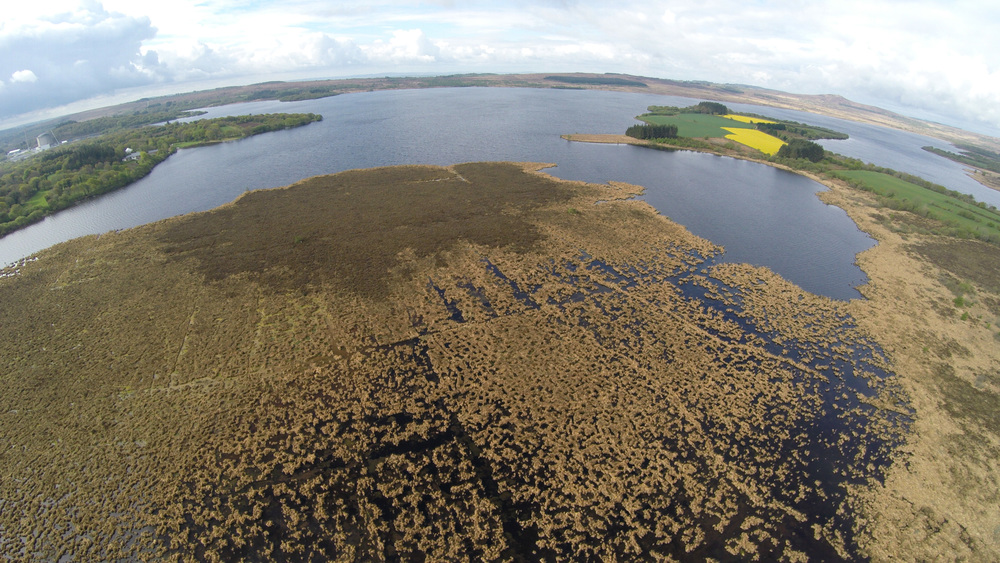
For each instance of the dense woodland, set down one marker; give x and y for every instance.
(57, 178)
(801, 148)
(788, 130)
(69, 130)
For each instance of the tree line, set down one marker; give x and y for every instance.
(57, 178)
(788, 130)
(801, 148)
(650, 131)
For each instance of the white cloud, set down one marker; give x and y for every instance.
(23, 76)
(921, 53)
(405, 46)
(71, 54)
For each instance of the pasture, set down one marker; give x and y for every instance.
(700, 125)
(965, 219)
(696, 124)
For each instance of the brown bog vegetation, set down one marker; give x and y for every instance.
(473, 362)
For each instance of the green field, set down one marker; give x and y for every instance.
(37, 201)
(697, 124)
(965, 219)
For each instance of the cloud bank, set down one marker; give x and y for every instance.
(66, 56)
(928, 56)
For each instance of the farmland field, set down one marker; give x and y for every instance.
(747, 119)
(755, 139)
(735, 127)
(696, 124)
(967, 218)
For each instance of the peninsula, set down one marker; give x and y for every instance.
(106, 154)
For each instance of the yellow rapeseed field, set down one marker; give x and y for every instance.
(745, 119)
(755, 139)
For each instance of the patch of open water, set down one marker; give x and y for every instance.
(761, 215)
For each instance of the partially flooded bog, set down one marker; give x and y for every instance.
(472, 362)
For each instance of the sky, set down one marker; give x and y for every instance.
(938, 60)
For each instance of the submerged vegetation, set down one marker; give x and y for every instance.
(933, 298)
(54, 179)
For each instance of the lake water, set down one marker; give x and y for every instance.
(761, 215)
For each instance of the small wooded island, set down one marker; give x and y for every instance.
(106, 154)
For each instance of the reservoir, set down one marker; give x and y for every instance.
(761, 215)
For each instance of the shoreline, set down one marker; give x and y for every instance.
(939, 353)
(823, 104)
(611, 139)
(985, 178)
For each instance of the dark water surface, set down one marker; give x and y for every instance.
(761, 215)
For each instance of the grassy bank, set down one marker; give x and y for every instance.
(957, 216)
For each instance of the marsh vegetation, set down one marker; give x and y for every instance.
(467, 362)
